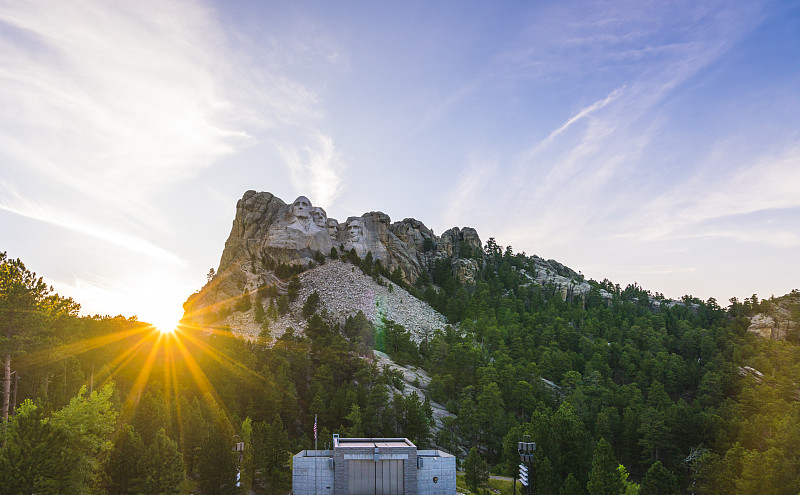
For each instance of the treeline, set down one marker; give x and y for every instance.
(663, 387)
(111, 405)
(620, 396)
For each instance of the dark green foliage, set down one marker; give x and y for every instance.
(311, 305)
(398, 344)
(125, 463)
(217, 461)
(162, 466)
(360, 330)
(150, 416)
(572, 487)
(352, 257)
(413, 419)
(658, 481)
(283, 305)
(259, 314)
(367, 264)
(334, 254)
(33, 459)
(397, 276)
(293, 289)
(658, 384)
(270, 453)
(604, 478)
(476, 472)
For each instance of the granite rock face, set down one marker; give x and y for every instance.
(293, 233)
(266, 230)
(779, 319)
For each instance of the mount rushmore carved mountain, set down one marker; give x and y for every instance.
(271, 240)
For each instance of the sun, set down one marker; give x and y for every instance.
(165, 329)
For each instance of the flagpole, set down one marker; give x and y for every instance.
(316, 453)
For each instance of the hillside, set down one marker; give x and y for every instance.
(343, 290)
(453, 344)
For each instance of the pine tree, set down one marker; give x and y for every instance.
(658, 481)
(34, 457)
(162, 466)
(604, 478)
(476, 472)
(259, 314)
(27, 306)
(217, 460)
(124, 464)
(271, 452)
(571, 486)
(311, 305)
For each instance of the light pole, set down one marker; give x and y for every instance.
(525, 449)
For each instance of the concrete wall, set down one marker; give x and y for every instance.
(439, 465)
(408, 454)
(417, 480)
(303, 477)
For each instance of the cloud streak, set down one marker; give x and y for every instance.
(14, 203)
(314, 167)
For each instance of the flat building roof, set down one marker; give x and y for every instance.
(371, 442)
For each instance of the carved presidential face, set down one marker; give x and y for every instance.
(333, 226)
(301, 208)
(354, 230)
(319, 216)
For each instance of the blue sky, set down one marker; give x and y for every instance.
(650, 142)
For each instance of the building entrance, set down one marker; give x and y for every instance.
(375, 478)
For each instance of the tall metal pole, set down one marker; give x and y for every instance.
(315, 454)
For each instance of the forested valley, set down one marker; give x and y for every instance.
(620, 396)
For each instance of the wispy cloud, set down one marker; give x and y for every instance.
(12, 202)
(590, 168)
(315, 167)
(471, 185)
(117, 101)
(706, 206)
(111, 107)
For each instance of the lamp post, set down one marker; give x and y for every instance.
(525, 449)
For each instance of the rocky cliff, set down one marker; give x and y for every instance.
(267, 233)
(271, 240)
(779, 318)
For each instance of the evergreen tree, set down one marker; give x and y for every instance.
(27, 309)
(195, 430)
(151, 415)
(217, 460)
(476, 471)
(604, 477)
(162, 466)
(658, 481)
(571, 486)
(271, 452)
(34, 458)
(259, 314)
(124, 464)
(311, 305)
(356, 428)
(293, 289)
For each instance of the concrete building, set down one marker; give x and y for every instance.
(373, 466)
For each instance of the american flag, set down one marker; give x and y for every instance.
(315, 427)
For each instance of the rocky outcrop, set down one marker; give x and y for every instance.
(267, 232)
(779, 319)
(294, 233)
